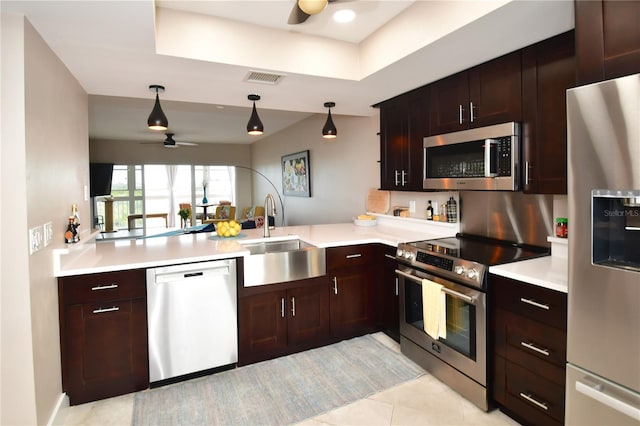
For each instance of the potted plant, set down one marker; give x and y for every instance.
(184, 214)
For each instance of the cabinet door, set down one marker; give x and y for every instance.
(262, 326)
(394, 143)
(548, 71)
(104, 349)
(351, 303)
(495, 91)
(388, 301)
(308, 314)
(607, 39)
(449, 104)
(418, 113)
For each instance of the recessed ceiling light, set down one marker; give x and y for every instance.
(344, 15)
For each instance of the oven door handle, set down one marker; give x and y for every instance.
(468, 299)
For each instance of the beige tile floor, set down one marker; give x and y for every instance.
(424, 401)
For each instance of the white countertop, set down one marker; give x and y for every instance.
(550, 272)
(91, 257)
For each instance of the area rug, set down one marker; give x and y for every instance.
(280, 391)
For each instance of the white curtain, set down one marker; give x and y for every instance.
(172, 171)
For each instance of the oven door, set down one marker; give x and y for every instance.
(464, 348)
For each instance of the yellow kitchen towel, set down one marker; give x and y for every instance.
(434, 309)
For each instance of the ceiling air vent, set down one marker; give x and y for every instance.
(263, 77)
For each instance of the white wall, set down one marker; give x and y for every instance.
(342, 169)
(45, 166)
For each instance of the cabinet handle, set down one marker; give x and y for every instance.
(335, 285)
(396, 179)
(293, 306)
(533, 347)
(599, 392)
(282, 307)
(534, 303)
(104, 287)
(103, 310)
(460, 114)
(531, 399)
(397, 286)
(404, 180)
(353, 256)
(527, 166)
(471, 107)
(389, 256)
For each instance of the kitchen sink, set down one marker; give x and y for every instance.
(272, 262)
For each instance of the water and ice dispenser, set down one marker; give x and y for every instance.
(616, 228)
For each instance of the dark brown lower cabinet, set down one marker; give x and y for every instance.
(353, 271)
(275, 323)
(529, 351)
(388, 300)
(103, 333)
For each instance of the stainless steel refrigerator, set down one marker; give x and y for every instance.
(603, 337)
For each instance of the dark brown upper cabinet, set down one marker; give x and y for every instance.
(404, 121)
(548, 70)
(487, 94)
(607, 39)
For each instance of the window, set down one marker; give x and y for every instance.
(151, 189)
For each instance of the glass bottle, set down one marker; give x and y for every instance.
(76, 220)
(70, 235)
(429, 211)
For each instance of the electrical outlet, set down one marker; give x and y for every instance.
(48, 233)
(35, 239)
(412, 206)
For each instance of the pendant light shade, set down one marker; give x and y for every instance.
(312, 7)
(254, 126)
(157, 120)
(329, 130)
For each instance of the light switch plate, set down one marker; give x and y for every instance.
(412, 206)
(48, 233)
(35, 239)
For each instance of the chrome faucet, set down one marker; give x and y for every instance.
(269, 201)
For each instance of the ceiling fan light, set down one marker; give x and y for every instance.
(254, 126)
(329, 130)
(157, 120)
(312, 7)
(344, 16)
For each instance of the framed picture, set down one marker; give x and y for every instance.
(296, 174)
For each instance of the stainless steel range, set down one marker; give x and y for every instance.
(460, 265)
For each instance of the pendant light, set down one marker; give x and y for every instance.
(254, 126)
(157, 120)
(312, 7)
(329, 130)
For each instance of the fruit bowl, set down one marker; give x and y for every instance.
(228, 229)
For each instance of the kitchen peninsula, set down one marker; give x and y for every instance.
(92, 257)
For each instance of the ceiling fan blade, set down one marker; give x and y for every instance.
(297, 16)
(186, 144)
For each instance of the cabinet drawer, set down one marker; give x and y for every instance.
(532, 397)
(346, 256)
(538, 303)
(120, 285)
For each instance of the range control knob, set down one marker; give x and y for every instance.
(459, 269)
(399, 252)
(408, 255)
(472, 273)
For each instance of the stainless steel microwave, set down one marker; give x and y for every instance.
(485, 158)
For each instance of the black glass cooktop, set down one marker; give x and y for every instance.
(486, 251)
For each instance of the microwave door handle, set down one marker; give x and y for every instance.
(490, 158)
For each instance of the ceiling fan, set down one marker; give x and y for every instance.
(169, 142)
(305, 8)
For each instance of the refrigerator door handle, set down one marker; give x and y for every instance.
(596, 391)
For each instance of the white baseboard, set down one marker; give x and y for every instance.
(59, 414)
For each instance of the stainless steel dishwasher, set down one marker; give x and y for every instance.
(192, 319)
